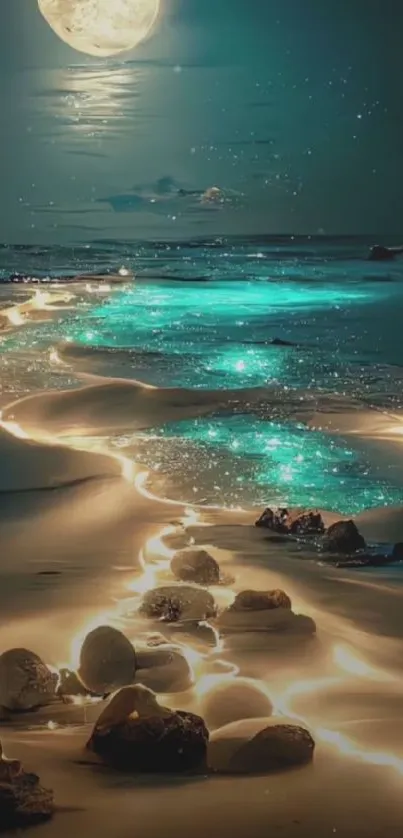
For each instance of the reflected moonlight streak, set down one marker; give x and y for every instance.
(101, 27)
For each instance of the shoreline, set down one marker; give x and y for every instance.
(347, 687)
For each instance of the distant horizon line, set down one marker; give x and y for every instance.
(216, 239)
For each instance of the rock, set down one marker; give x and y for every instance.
(378, 253)
(164, 669)
(265, 621)
(233, 699)
(273, 520)
(281, 342)
(259, 746)
(292, 522)
(107, 661)
(305, 523)
(173, 603)
(25, 681)
(23, 801)
(260, 601)
(397, 552)
(157, 740)
(196, 566)
(343, 537)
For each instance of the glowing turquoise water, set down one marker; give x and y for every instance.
(243, 459)
(218, 336)
(339, 322)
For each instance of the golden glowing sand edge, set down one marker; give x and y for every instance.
(154, 560)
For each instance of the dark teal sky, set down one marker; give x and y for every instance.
(292, 107)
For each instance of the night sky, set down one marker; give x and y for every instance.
(293, 107)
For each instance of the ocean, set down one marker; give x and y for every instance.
(309, 315)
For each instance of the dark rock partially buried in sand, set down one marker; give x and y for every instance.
(196, 566)
(292, 522)
(163, 669)
(25, 681)
(23, 801)
(259, 746)
(343, 537)
(174, 603)
(107, 661)
(157, 740)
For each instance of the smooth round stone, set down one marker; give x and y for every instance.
(107, 661)
(234, 699)
(174, 603)
(163, 670)
(196, 566)
(259, 746)
(25, 681)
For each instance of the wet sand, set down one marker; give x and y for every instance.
(76, 527)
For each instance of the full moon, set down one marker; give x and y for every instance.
(101, 27)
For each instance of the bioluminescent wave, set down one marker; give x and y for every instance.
(303, 316)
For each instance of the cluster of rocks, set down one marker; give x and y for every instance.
(108, 661)
(292, 522)
(235, 731)
(341, 543)
(135, 733)
(23, 801)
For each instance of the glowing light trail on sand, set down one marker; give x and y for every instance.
(344, 659)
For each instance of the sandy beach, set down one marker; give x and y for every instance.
(82, 537)
(201, 419)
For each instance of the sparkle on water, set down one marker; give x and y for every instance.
(250, 460)
(219, 334)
